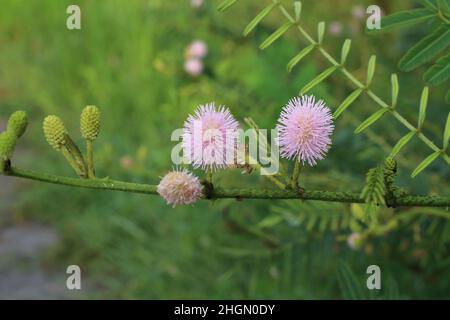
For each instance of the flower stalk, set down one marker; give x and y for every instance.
(296, 175)
(90, 159)
(90, 129)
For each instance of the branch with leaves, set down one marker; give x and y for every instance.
(58, 137)
(414, 58)
(304, 139)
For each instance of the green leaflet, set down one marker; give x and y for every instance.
(299, 57)
(320, 31)
(317, 80)
(298, 10)
(439, 72)
(427, 4)
(401, 143)
(403, 19)
(345, 50)
(426, 49)
(425, 163)
(444, 6)
(423, 107)
(347, 102)
(225, 5)
(258, 18)
(371, 69)
(270, 221)
(447, 97)
(395, 89)
(274, 36)
(369, 121)
(447, 132)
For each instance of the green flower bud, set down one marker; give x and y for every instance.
(55, 131)
(90, 123)
(18, 123)
(390, 165)
(7, 145)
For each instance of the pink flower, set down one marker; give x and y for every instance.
(196, 3)
(335, 28)
(304, 128)
(210, 137)
(180, 187)
(355, 241)
(358, 12)
(193, 67)
(126, 162)
(197, 49)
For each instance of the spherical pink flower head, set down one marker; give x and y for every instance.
(210, 137)
(180, 187)
(194, 67)
(197, 49)
(304, 129)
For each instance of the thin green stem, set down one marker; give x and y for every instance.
(210, 176)
(271, 178)
(219, 193)
(360, 85)
(277, 182)
(73, 163)
(90, 158)
(296, 174)
(75, 154)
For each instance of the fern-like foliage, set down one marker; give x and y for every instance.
(436, 14)
(353, 287)
(401, 19)
(316, 218)
(374, 191)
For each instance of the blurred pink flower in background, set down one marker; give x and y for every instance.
(126, 162)
(335, 28)
(355, 241)
(197, 49)
(194, 67)
(358, 12)
(196, 3)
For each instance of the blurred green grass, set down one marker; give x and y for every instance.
(128, 60)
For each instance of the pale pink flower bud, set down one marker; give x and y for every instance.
(180, 187)
(197, 49)
(355, 241)
(194, 67)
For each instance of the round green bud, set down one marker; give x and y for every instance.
(18, 123)
(54, 131)
(7, 145)
(90, 123)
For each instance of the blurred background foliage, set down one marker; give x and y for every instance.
(128, 60)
